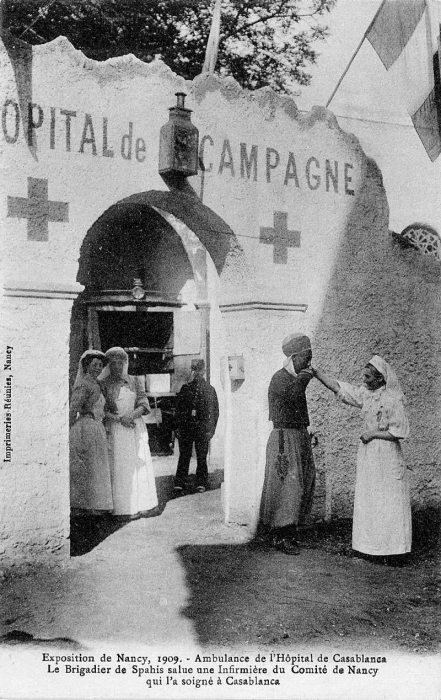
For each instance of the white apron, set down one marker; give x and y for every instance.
(133, 479)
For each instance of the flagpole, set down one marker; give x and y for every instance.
(354, 55)
(213, 40)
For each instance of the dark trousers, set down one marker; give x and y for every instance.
(186, 440)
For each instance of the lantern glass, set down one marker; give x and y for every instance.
(179, 142)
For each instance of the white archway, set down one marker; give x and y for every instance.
(200, 293)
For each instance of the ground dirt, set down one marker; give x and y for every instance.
(186, 576)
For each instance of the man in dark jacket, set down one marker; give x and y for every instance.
(197, 413)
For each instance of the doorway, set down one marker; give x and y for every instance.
(147, 289)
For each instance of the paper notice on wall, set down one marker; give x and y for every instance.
(154, 417)
(157, 383)
(187, 333)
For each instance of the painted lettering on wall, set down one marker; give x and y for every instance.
(266, 164)
(70, 131)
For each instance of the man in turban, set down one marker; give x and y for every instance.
(290, 472)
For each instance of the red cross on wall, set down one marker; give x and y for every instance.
(280, 237)
(38, 210)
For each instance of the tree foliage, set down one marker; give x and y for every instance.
(262, 42)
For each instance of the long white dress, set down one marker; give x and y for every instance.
(133, 479)
(382, 522)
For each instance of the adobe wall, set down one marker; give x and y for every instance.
(310, 251)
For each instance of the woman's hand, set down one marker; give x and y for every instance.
(127, 420)
(377, 435)
(111, 417)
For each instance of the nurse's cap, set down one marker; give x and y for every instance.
(295, 343)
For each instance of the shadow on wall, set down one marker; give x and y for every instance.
(382, 299)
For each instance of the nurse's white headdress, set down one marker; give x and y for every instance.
(115, 352)
(81, 372)
(391, 379)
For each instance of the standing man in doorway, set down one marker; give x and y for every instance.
(197, 413)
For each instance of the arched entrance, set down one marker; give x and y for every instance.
(173, 248)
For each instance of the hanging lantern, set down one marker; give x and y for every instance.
(179, 142)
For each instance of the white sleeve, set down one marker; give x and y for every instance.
(350, 394)
(398, 421)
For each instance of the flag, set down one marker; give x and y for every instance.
(402, 36)
(213, 40)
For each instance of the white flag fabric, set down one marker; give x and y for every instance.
(213, 40)
(405, 41)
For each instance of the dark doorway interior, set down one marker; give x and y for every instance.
(146, 335)
(133, 245)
